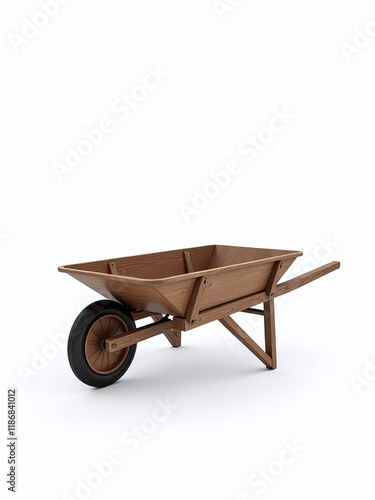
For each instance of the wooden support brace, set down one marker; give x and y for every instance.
(188, 263)
(273, 279)
(193, 309)
(174, 337)
(112, 268)
(270, 332)
(251, 310)
(247, 341)
(126, 339)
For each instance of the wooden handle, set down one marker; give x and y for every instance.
(294, 283)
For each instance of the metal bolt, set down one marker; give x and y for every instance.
(114, 346)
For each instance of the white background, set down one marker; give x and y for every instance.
(310, 189)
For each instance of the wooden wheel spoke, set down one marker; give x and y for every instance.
(96, 330)
(103, 356)
(102, 327)
(109, 327)
(115, 331)
(92, 354)
(96, 335)
(99, 359)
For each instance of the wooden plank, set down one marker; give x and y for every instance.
(247, 341)
(188, 264)
(195, 299)
(126, 339)
(251, 310)
(294, 283)
(112, 268)
(272, 280)
(270, 332)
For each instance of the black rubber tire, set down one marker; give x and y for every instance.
(77, 339)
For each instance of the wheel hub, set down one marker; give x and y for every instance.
(97, 356)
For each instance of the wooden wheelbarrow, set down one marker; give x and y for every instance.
(180, 290)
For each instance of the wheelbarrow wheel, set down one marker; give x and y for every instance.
(88, 358)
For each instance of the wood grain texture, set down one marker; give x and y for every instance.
(223, 255)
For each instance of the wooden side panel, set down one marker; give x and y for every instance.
(172, 296)
(136, 296)
(223, 286)
(153, 266)
(230, 285)
(226, 255)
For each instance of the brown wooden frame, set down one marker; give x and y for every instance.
(172, 327)
(183, 289)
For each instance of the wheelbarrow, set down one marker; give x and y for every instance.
(180, 290)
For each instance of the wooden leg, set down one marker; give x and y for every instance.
(174, 336)
(243, 337)
(270, 332)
